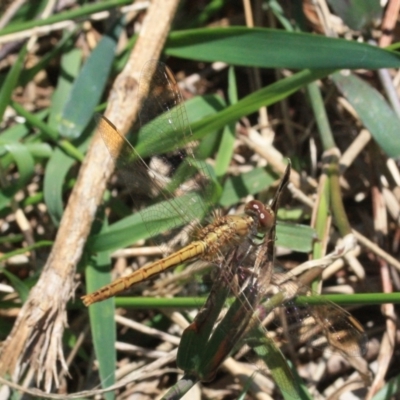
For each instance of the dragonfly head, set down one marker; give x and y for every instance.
(264, 215)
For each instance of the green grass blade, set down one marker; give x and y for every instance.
(89, 86)
(321, 118)
(18, 131)
(154, 141)
(25, 165)
(252, 182)
(270, 354)
(131, 229)
(390, 390)
(62, 46)
(28, 11)
(78, 12)
(351, 299)
(249, 104)
(295, 236)
(39, 150)
(47, 131)
(70, 64)
(180, 388)
(54, 178)
(373, 110)
(102, 321)
(270, 48)
(145, 303)
(193, 345)
(263, 97)
(60, 163)
(226, 146)
(17, 284)
(11, 81)
(24, 161)
(357, 14)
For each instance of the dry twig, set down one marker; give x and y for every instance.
(36, 339)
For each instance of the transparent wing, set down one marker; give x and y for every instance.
(179, 185)
(305, 323)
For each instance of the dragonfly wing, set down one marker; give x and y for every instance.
(317, 325)
(163, 118)
(166, 136)
(165, 170)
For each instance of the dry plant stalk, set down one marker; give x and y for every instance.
(35, 341)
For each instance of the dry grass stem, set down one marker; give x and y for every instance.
(147, 330)
(36, 340)
(57, 26)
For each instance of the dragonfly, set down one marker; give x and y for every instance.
(248, 274)
(243, 242)
(211, 241)
(206, 344)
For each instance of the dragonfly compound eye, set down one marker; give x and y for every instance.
(265, 215)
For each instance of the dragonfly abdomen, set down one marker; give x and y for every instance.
(189, 252)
